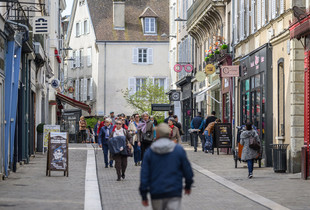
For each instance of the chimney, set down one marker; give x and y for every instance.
(119, 14)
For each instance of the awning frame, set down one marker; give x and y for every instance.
(73, 102)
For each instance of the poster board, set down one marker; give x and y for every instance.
(57, 153)
(47, 130)
(223, 135)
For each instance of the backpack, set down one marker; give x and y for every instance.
(254, 143)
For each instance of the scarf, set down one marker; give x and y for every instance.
(119, 132)
(142, 126)
(100, 126)
(171, 134)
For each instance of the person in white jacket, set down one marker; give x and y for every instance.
(132, 128)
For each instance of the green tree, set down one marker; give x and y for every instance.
(143, 99)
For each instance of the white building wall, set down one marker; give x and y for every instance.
(119, 66)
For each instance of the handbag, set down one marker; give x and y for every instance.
(254, 144)
(129, 150)
(147, 136)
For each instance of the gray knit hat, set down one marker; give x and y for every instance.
(163, 130)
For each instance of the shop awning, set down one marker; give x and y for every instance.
(301, 26)
(73, 102)
(206, 89)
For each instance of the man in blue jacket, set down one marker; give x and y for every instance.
(198, 123)
(163, 168)
(103, 139)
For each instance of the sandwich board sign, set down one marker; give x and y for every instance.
(47, 129)
(57, 153)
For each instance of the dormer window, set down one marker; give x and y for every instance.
(149, 21)
(150, 25)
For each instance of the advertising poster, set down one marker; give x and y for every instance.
(47, 130)
(58, 150)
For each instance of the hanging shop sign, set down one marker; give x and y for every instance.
(187, 67)
(175, 96)
(71, 89)
(230, 71)
(55, 83)
(161, 107)
(200, 76)
(41, 25)
(209, 69)
(57, 156)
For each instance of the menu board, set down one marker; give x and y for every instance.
(223, 135)
(57, 156)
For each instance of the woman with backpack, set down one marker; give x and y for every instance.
(249, 154)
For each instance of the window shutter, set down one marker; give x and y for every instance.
(80, 32)
(85, 89)
(91, 89)
(82, 90)
(77, 89)
(269, 10)
(150, 55)
(135, 55)
(77, 28)
(78, 58)
(263, 12)
(81, 57)
(132, 85)
(89, 56)
(82, 28)
(167, 85)
(247, 17)
(235, 23)
(259, 13)
(70, 56)
(274, 9)
(282, 6)
(253, 16)
(87, 26)
(242, 18)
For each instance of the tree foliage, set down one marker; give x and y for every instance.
(143, 99)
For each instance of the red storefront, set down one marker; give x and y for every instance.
(300, 29)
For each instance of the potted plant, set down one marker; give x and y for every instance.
(217, 51)
(211, 55)
(224, 46)
(40, 131)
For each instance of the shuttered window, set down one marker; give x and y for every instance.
(247, 22)
(263, 12)
(132, 85)
(85, 90)
(90, 89)
(259, 14)
(77, 89)
(78, 63)
(282, 6)
(274, 9)
(81, 90)
(253, 16)
(86, 26)
(241, 10)
(142, 55)
(89, 56)
(236, 12)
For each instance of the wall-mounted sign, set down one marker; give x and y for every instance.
(161, 107)
(41, 25)
(209, 69)
(187, 67)
(175, 96)
(200, 76)
(230, 71)
(55, 83)
(71, 89)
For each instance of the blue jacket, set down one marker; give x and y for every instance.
(163, 168)
(104, 134)
(197, 123)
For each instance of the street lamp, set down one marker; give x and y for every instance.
(180, 19)
(164, 35)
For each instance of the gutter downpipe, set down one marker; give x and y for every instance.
(105, 77)
(234, 80)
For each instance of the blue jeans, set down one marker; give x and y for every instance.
(250, 166)
(195, 135)
(105, 149)
(136, 152)
(208, 138)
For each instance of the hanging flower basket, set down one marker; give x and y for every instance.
(217, 51)
(211, 55)
(224, 46)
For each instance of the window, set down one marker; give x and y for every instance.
(89, 56)
(90, 89)
(77, 59)
(81, 2)
(140, 82)
(150, 26)
(86, 26)
(281, 98)
(78, 29)
(160, 82)
(81, 58)
(74, 59)
(143, 55)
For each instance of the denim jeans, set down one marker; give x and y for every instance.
(250, 166)
(209, 139)
(105, 149)
(195, 135)
(136, 152)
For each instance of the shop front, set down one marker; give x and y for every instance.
(186, 105)
(256, 96)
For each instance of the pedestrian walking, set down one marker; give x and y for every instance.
(249, 154)
(145, 133)
(164, 166)
(82, 128)
(96, 131)
(133, 130)
(174, 133)
(170, 115)
(197, 123)
(152, 118)
(103, 140)
(112, 117)
(178, 124)
(120, 135)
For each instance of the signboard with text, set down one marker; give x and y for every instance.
(47, 129)
(223, 135)
(230, 71)
(41, 25)
(57, 156)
